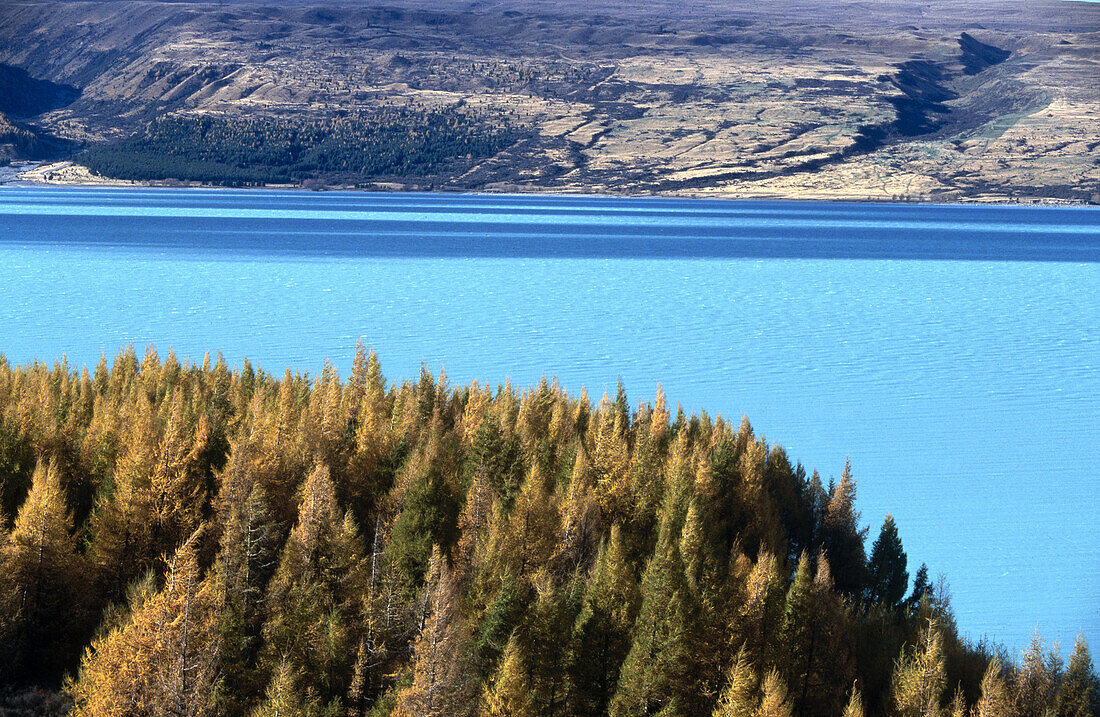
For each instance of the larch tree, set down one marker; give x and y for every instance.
(533, 420)
(177, 483)
(284, 699)
(1077, 693)
(581, 522)
(611, 463)
(355, 388)
(773, 701)
(957, 706)
(506, 693)
(995, 699)
(854, 708)
(763, 526)
(498, 581)
(186, 632)
(534, 524)
(82, 483)
(41, 598)
(17, 462)
(440, 685)
(738, 697)
(265, 449)
(122, 524)
(920, 676)
(165, 660)
(706, 585)
(762, 612)
(621, 407)
(374, 429)
(1037, 680)
(326, 428)
(473, 521)
(646, 480)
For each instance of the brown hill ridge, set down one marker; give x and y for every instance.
(947, 100)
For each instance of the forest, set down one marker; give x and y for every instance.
(354, 147)
(186, 540)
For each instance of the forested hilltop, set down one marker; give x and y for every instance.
(201, 540)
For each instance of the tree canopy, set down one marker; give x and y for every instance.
(195, 539)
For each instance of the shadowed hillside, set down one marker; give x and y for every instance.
(22, 96)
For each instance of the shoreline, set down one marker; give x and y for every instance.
(66, 173)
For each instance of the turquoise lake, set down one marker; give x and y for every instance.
(952, 352)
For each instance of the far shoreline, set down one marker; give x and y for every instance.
(66, 173)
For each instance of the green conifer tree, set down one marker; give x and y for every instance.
(815, 633)
(243, 566)
(430, 515)
(659, 674)
(887, 578)
(601, 634)
(843, 538)
(544, 648)
(922, 587)
(311, 598)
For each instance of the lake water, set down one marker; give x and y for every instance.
(953, 353)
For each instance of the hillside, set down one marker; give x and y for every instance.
(945, 100)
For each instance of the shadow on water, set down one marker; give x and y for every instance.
(558, 232)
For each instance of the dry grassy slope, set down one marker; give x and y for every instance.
(785, 98)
